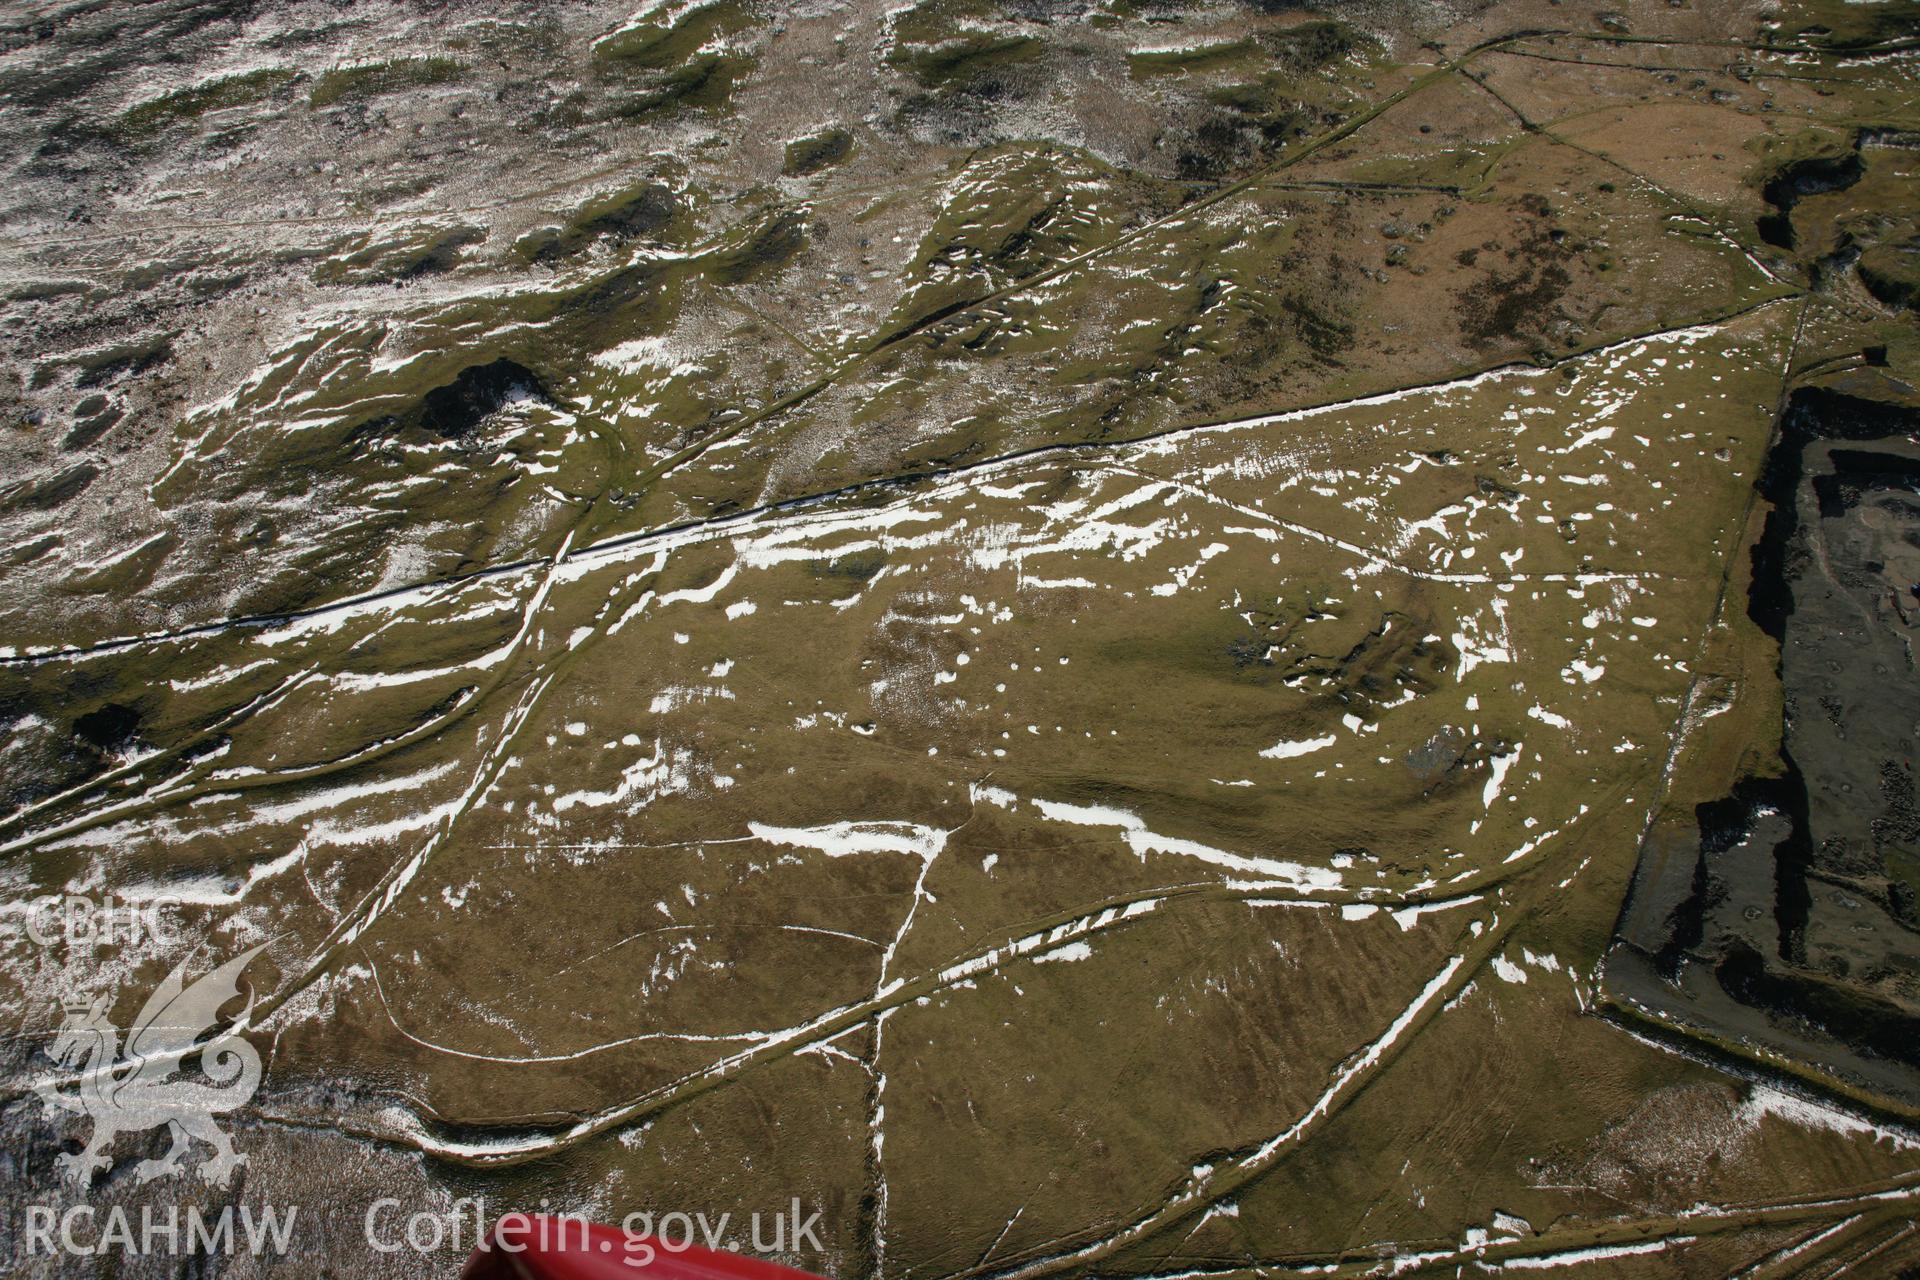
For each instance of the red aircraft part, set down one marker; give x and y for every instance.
(533, 1246)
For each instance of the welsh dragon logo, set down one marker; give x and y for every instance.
(142, 1090)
